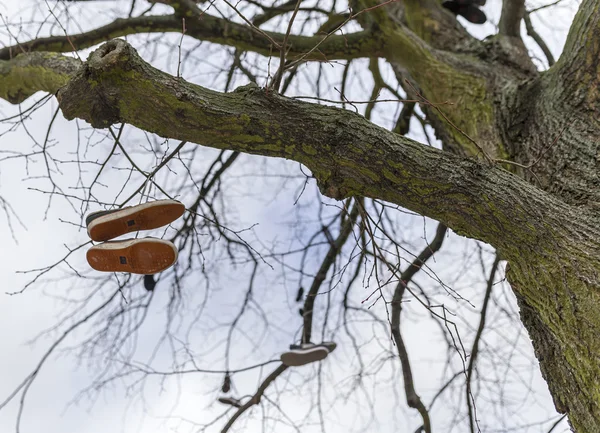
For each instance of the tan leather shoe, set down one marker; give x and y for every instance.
(109, 224)
(137, 256)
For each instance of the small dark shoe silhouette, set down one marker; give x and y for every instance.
(109, 224)
(137, 256)
(467, 9)
(149, 282)
(230, 401)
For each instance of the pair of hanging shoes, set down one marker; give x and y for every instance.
(137, 256)
(302, 354)
(469, 9)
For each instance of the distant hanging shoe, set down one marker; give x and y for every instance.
(468, 9)
(109, 224)
(149, 282)
(304, 354)
(137, 256)
(329, 345)
(230, 401)
(226, 387)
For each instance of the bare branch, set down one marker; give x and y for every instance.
(205, 27)
(510, 20)
(412, 397)
(256, 397)
(475, 348)
(538, 39)
(326, 264)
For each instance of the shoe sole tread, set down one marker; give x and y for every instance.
(139, 256)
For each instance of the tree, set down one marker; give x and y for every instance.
(519, 168)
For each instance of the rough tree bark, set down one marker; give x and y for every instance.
(520, 170)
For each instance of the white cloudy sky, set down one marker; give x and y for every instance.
(42, 239)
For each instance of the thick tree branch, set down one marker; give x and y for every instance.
(561, 123)
(467, 104)
(538, 39)
(575, 78)
(510, 20)
(347, 154)
(471, 94)
(582, 40)
(432, 23)
(209, 28)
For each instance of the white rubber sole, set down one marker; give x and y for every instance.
(299, 357)
(145, 216)
(329, 345)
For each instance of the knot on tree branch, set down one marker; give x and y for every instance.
(509, 51)
(92, 94)
(332, 187)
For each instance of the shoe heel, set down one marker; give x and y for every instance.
(152, 256)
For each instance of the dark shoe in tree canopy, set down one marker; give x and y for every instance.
(109, 224)
(149, 282)
(473, 14)
(226, 387)
(303, 355)
(470, 12)
(452, 6)
(230, 401)
(470, 2)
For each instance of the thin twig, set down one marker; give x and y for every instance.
(256, 397)
(475, 350)
(276, 82)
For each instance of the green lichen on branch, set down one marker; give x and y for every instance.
(27, 74)
(464, 98)
(559, 293)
